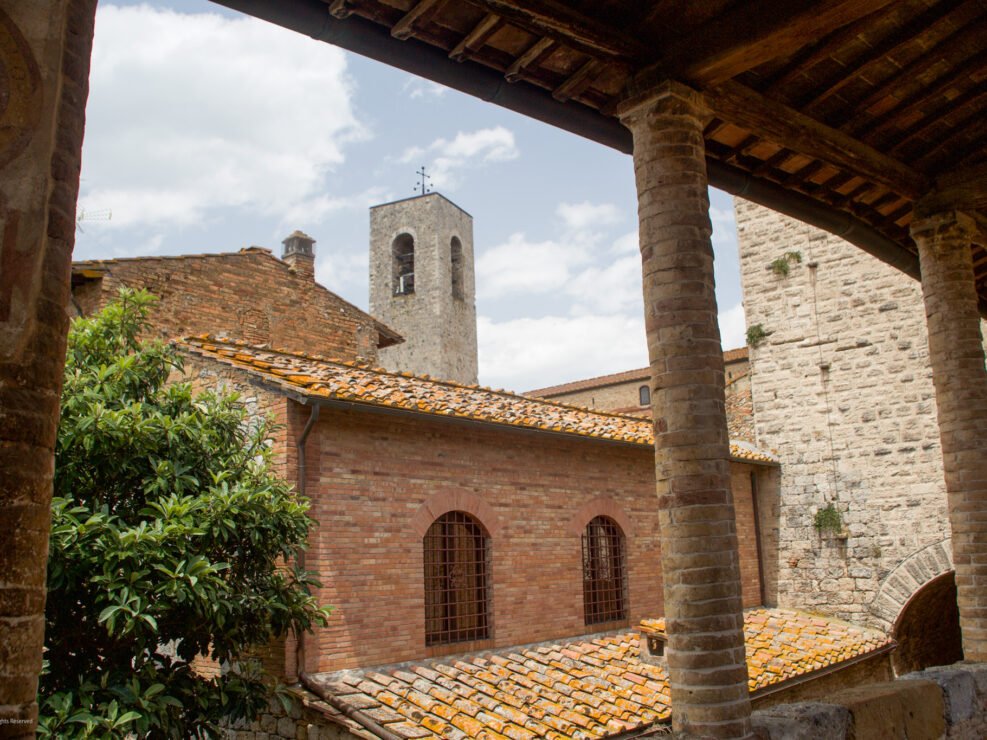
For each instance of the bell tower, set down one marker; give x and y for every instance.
(422, 285)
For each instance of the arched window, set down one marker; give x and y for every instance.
(604, 580)
(456, 576)
(456, 256)
(644, 395)
(403, 261)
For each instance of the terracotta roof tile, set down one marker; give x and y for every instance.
(582, 688)
(360, 383)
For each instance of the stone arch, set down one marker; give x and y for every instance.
(928, 628)
(456, 268)
(600, 506)
(446, 501)
(908, 577)
(403, 263)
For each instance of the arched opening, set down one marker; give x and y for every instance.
(604, 574)
(644, 395)
(456, 257)
(928, 629)
(403, 262)
(456, 580)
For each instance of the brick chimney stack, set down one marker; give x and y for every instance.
(299, 253)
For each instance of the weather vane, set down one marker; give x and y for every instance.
(423, 181)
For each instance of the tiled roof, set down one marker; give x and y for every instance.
(641, 373)
(359, 383)
(582, 688)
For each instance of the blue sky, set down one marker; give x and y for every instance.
(209, 131)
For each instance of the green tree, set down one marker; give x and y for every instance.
(169, 537)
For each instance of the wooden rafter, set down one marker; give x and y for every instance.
(800, 133)
(537, 53)
(578, 81)
(889, 46)
(830, 45)
(476, 38)
(945, 49)
(405, 27)
(559, 21)
(752, 33)
(340, 9)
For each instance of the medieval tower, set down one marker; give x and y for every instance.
(422, 285)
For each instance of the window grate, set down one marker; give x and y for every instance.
(604, 582)
(456, 580)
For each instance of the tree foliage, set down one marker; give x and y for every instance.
(169, 537)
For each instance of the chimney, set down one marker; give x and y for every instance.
(299, 253)
(653, 642)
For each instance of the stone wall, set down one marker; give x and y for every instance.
(842, 390)
(936, 703)
(439, 327)
(249, 295)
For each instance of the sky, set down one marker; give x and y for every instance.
(209, 131)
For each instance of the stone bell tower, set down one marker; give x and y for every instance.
(422, 285)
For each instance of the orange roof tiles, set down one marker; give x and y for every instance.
(583, 688)
(323, 378)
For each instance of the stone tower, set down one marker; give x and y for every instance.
(422, 285)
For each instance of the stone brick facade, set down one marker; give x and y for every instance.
(44, 68)
(434, 306)
(249, 295)
(377, 481)
(842, 390)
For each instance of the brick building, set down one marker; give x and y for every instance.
(250, 295)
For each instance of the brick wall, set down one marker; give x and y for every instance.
(370, 475)
(249, 295)
(842, 389)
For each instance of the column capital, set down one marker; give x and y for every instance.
(951, 224)
(666, 96)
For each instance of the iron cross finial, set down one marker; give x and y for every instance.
(422, 181)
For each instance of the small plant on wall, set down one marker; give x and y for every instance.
(756, 334)
(827, 520)
(783, 265)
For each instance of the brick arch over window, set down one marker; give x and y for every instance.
(600, 506)
(908, 577)
(456, 560)
(446, 501)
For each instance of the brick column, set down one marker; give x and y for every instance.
(44, 69)
(700, 561)
(957, 357)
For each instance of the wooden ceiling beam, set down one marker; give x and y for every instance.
(754, 32)
(536, 53)
(559, 21)
(405, 28)
(340, 9)
(973, 122)
(910, 72)
(476, 38)
(793, 130)
(830, 45)
(891, 45)
(578, 81)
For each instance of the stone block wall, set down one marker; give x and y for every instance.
(439, 327)
(842, 390)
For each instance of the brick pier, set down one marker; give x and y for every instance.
(707, 670)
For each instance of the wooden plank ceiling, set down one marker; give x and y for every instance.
(862, 106)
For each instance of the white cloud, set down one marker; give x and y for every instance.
(522, 266)
(193, 113)
(466, 150)
(579, 216)
(416, 88)
(733, 327)
(554, 349)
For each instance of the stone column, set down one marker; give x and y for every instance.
(44, 69)
(957, 357)
(700, 561)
